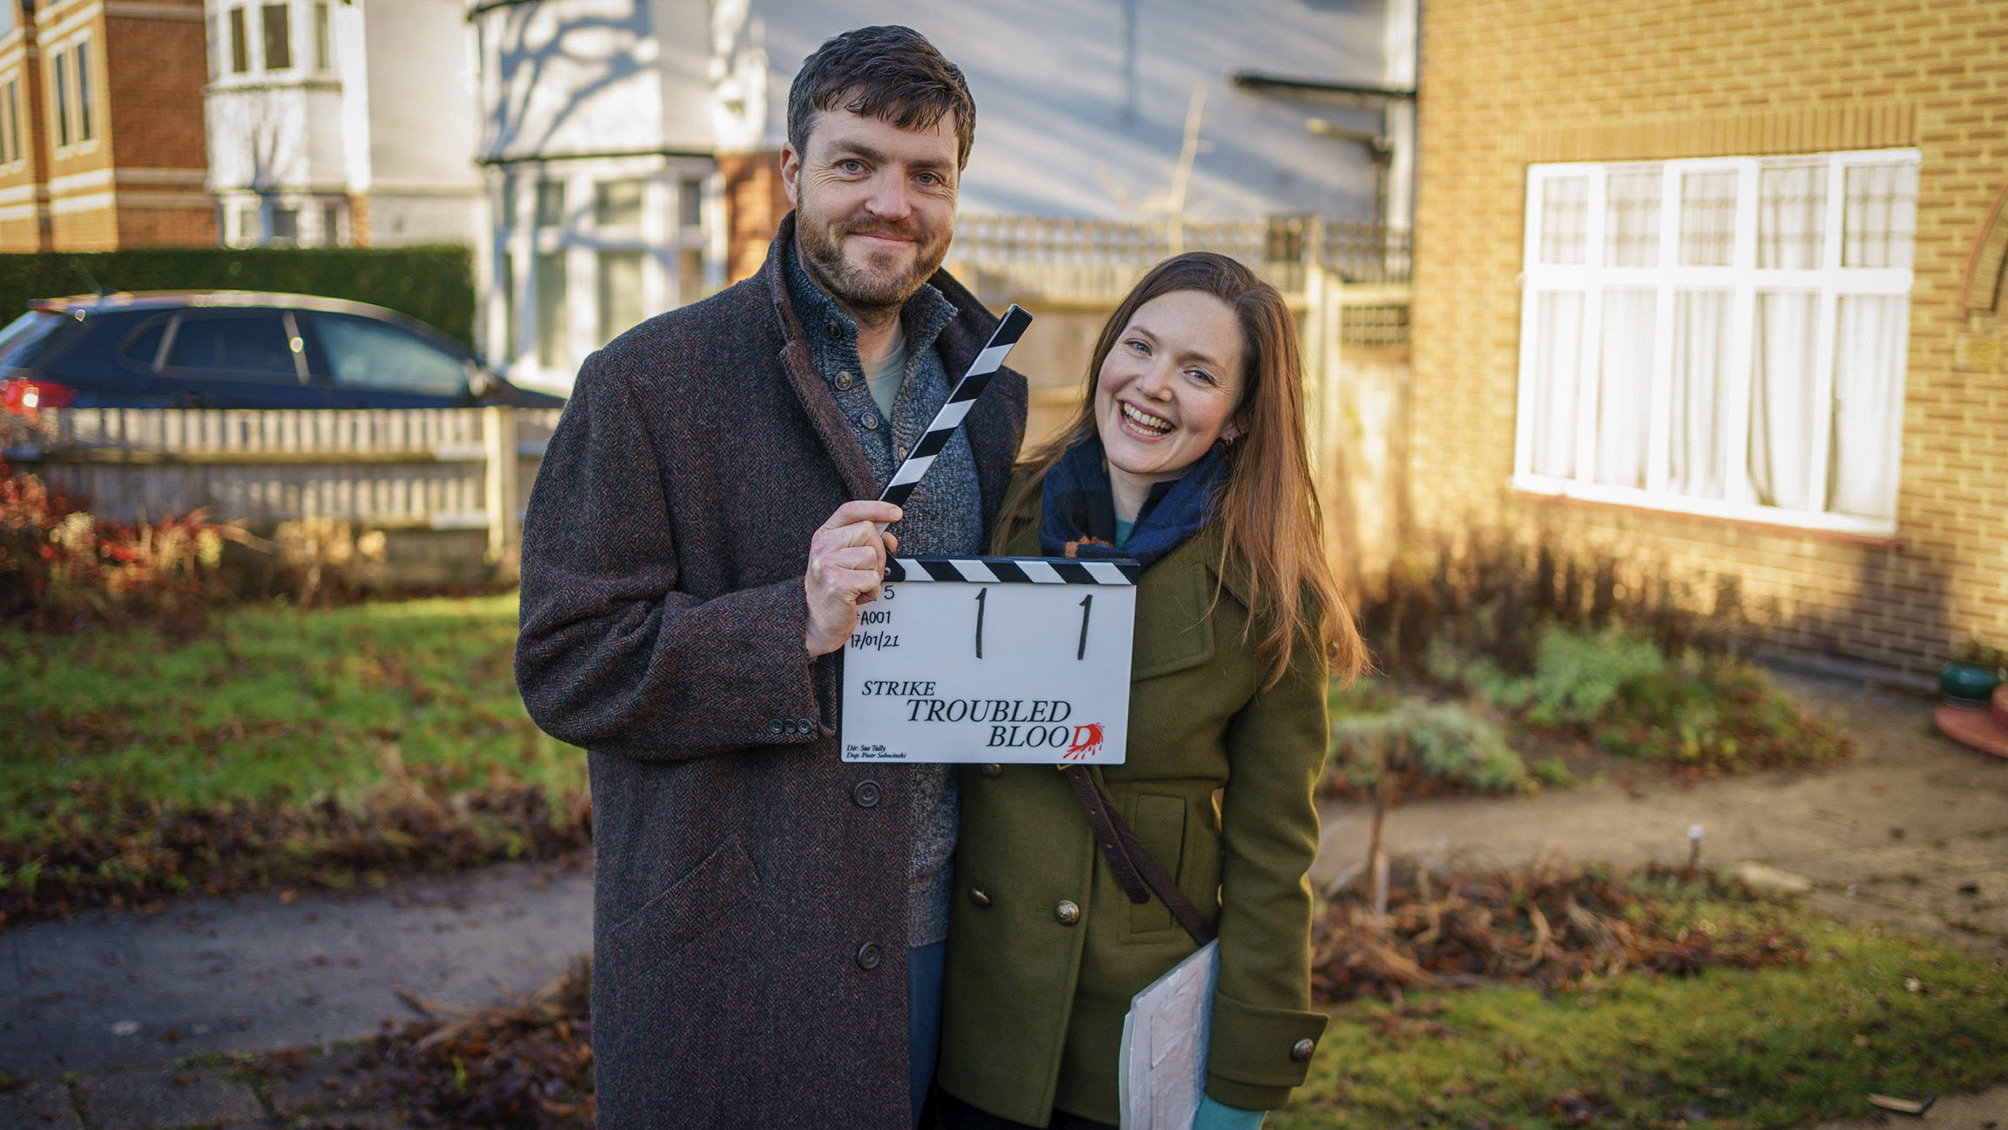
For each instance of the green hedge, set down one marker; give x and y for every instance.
(433, 283)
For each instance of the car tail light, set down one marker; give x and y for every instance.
(23, 397)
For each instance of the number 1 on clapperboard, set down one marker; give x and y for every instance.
(1087, 609)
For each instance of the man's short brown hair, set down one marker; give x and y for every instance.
(889, 72)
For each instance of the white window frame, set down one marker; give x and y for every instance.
(73, 106)
(1829, 282)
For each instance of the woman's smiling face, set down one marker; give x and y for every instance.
(1167, 391)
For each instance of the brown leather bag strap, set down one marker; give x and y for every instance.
(1103, 820)
(1127, 856)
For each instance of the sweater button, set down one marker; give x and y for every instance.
(978, 897)
(869, 421)
(866, 794)
(868, 956)
(1066, 914)
(1300, 1052)
(844, 379)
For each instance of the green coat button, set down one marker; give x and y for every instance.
(1066, 914)
(978, 897)
(1300, 1051)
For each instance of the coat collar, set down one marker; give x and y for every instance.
(958, 342)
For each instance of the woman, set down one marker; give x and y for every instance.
(1188, 454)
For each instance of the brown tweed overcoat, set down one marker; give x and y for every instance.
(749, 930)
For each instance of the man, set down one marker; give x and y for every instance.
(696, 548)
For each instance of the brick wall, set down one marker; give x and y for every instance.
(754, 205)
(157, 63)
(1506, 83)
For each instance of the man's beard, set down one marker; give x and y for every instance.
(862, 291)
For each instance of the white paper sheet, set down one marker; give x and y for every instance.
(1162, 1064)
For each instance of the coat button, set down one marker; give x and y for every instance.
(992, 770)
(869, 421)
(1066, 914)
(774, 726)
(804, 726)
(844, 379)
(978, 897)
(868, 956)
(866, 794)
(1300, 1052)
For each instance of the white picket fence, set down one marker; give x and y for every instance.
(383, 469)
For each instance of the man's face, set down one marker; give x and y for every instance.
(874, 206)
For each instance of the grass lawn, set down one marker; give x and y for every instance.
(271, 710)
(1728, 1048)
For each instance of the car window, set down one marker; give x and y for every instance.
(244, 345)
(365, 353)
(97, 349)
(142, 348)
(26, 336)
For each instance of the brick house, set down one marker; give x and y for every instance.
(1714, 289)
(101, 143)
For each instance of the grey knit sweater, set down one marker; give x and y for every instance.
(943, 517)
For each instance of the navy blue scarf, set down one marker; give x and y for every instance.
(1081, 513)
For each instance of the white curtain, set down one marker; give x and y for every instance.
(1781, 399)
(1696, 452)
(1624, 387)
(1871, 339)
(1879, 215)
(1558, 350)
(1708, 218)
(1791, 215)
(1631, 224)
(1565, 214)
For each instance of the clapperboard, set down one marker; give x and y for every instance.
(989, 659)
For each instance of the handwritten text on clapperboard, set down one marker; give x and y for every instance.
(994, 659)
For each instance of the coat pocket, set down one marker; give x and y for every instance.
(1159, 822)
(720, 885)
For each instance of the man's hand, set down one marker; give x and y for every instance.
(846, 565)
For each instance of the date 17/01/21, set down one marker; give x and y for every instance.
(883, 616)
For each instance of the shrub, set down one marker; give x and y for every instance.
(1615, 688)
(1445, 747)
(59, 565)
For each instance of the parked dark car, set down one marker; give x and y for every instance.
(237, 349)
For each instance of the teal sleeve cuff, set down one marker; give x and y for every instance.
(1219, 1116)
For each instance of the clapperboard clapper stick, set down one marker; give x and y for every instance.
(964, 394)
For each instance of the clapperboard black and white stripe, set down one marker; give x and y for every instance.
(964, 394)
(1015, 570)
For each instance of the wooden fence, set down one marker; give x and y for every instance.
(1346, 283)
(1078, 260)
(455, 469)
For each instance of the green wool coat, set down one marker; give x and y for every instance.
(1033, 1007)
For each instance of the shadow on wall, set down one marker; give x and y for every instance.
(596, 54)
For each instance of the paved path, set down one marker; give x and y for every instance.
(261, 973)
(1914, 831)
